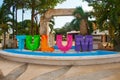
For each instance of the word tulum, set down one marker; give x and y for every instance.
(37, 42)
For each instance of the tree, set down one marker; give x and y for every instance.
(25, 28)
(36, 6)
(107, 14)
(12, 6)
(80, 21)
(40, 7)
(5, 21)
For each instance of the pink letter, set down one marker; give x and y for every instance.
(59, 43)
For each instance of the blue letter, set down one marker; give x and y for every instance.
(21, 43)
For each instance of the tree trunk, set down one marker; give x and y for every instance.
(32, 18)
(36, 25)
(13, 22)
(83, 27)
(16, 22)
(4, 45)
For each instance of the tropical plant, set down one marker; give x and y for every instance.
(40, 7)
(5, 21)
(24, 27)
(107, 14)
(80, 21)
(36, 6)
(11, 6)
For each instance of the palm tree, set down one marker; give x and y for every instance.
(8, 4)
(4, 29)
(80, 21)
(36, 6)
(26, 29)
(39, 7)
(4, 22)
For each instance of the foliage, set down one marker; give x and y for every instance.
(41, 5)
(90, 29)
(77, 23)
(106, 11)
(107, 14)
(25, 28)
(79, 13)
(36, 6)
(5, 21)
(68, 27)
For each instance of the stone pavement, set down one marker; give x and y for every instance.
(10, 70)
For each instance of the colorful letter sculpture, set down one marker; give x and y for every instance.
(44, 44)
(33, 44)
(89, 42)
(78, 41)
(21, 43)
(83, 43)
(59, 43)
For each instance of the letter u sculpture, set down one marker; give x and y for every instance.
(62, 47)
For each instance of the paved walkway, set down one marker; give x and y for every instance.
(10, 70)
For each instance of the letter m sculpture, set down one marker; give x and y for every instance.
(83, 43)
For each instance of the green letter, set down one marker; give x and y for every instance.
(33, 44)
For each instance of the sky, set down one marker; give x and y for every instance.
(61, 20)
(1, 1)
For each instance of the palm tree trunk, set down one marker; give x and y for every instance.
(13, 22)
(37, 26)
(32, 18)
(83, 27)
(4, 46)
(16, 22)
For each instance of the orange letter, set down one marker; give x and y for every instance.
(44, 44)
